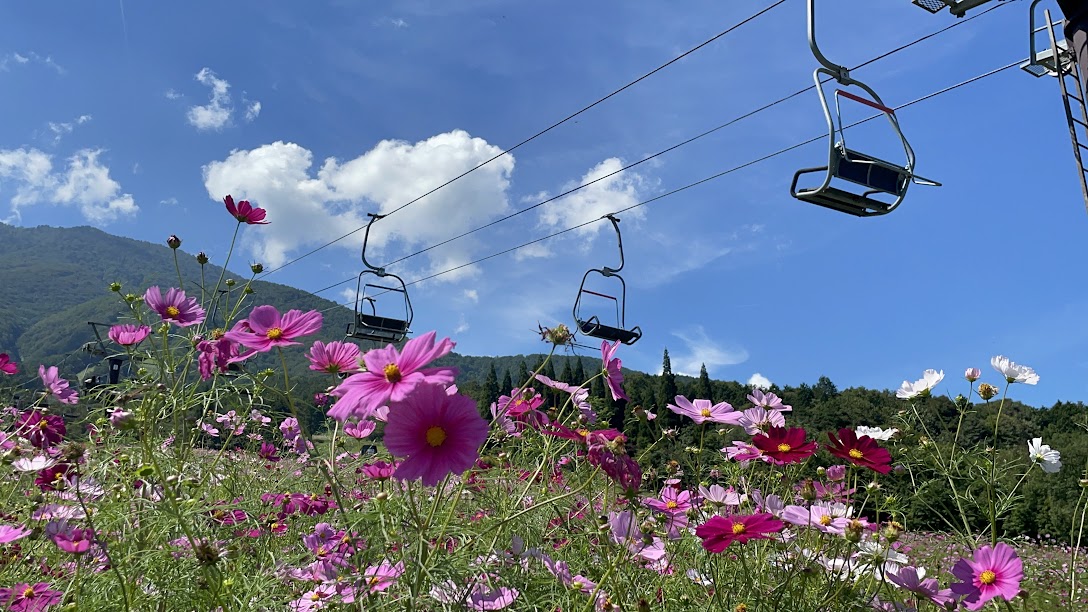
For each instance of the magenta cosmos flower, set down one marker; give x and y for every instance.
(390, 376)
(56, 385)
(9, 533)
(7, 366)
(784, 446)
(612, 372)
(334, 357)
(721, 531)
(991, 572)
(174, 307)
(25, 597)
(266, 328)
(702, 410)
(128, 335)
(245, 212)
(437, 433)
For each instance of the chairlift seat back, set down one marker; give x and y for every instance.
(870, 172)
(378, 328)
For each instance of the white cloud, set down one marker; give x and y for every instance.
(215, 115)
(169, 202)
(537, 250)
(60, 130)
(700, 349)
(85, 184)
(172, 95)
(23, 59)
(306, 210)
(607, 195)
(253, 110)
(462, 325)
(472, 295)
(759, 381)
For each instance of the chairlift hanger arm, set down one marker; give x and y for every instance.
(366, 238)
(839, 73)
(619, 240)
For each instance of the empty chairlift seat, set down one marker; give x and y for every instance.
(592, 325)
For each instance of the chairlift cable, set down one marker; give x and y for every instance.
(694, 184)
(685, 142)
(551, 127)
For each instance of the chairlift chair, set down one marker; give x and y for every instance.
(885, 183)
(372, 326)
(114, 361)
(593, 326)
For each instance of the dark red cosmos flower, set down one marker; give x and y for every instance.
(721, 531)
(862, 451)
(40, 429)
(245, 212)
(784, 445)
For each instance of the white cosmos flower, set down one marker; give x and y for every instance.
(876, 433)
(929, 379)
(1047, 458)
(33, 464)
(1014, 372)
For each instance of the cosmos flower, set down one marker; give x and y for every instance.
(862, 451)
(267, 329)
(702, 411)
(1014, 372)
(720, 531)
(1047, 458)
(245, 212)
(174, 307)
(129, 335)
(920, 387)
(334, 357)
(613, 373)
(7, 366)
(991, 572)
(784, 446)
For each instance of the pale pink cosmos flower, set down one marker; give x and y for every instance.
(720, 496)
(129, 335)
(360, 429)
(438, 434)
(612, 370)
(972, 374)
(670, 501)
(33, 464)
(991, 572)
(817, 516)
(483, 597)
(920, 387)
(770, 401)
(390, 376)
(914, 579)
(10, 533)
(1014, 372)
(334, 357)
(758, 420)
(57, 386)
(7, 366)
(174, 307)
(268, 329)
(702, 411)
(382, 576)
(579, 397)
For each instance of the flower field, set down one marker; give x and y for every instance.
(182, 488)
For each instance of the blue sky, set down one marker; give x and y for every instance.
(138, 117)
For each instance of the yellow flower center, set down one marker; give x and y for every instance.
(392, 373)
(739, 528)
(172, 311)
(705, 412)
(583, 432)
(670, 505)
(374, 580)
(274, 334)
(436, 436)
(987, 577)
(218, 333)
(315, 596)
(29, 592)
(825, 520)
(855, 454)
(42, 424)
(784, 448)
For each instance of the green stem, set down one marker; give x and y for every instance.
(229, 252)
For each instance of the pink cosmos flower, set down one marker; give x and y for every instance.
(7, 366)
(770, 401)
(914, 579)
(991, 572)
(382, 576)
(174, 307)
(390, 376)
(40, 429)
(268, 329)
(671, 501)
(33, 464)
(334, 357)
(758, 420)
(380, 470)
(360, 429)
(57, 386)
(483, 597)
(128, 335)
(579, 396)
(25, 597)
(10, 533)
(438, 434)
(245, 212)
(69, 539)
(719, 532)
(817, 516)
(613, 373)
(702, 410)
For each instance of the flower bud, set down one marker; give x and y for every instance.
(231, 282)
(892, 531)
(257, 268)
(115, 287)
(248, 290)
(972, 374)
(173, 241)
(558, 335)
(202, 258)
(961, 402)
(987, 391)
(808, 492)
(121, 418)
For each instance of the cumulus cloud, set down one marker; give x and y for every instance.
(253, 110)
(307, 208)
(214, 115)
(607, 195)
(700, 349)
(84, 184)
(759, 381)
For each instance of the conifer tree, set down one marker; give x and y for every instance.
(491, 385)
(703, 388)
(507, 383)
(667, 392)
